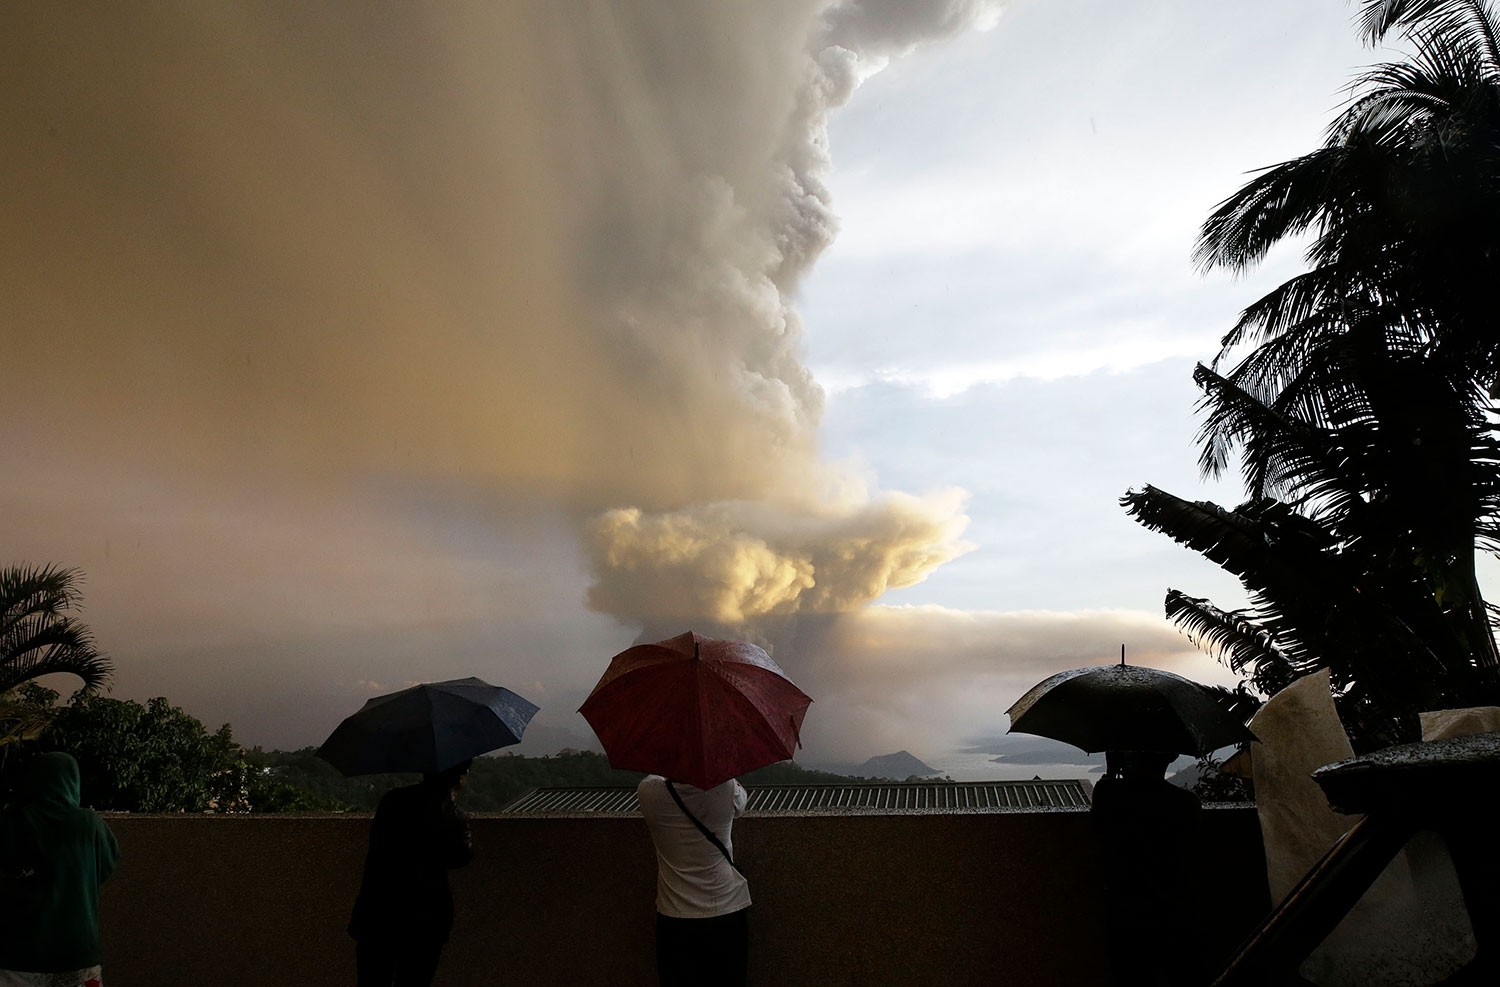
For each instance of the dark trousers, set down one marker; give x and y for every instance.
(703, 952)
(382, 962)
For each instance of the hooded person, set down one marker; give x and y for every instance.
(54, 854)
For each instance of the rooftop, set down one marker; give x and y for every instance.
(908, 798)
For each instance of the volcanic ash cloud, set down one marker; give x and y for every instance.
(537, 246)
(736, 562)
(273, 260)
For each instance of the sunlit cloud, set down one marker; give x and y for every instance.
(731, 563)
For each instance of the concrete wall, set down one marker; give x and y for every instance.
(951, 900)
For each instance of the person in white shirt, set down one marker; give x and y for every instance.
(701, 897)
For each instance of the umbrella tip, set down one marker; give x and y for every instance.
(1122, 655)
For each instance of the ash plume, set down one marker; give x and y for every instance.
(306, 306)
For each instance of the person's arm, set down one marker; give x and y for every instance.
(455, 841)
(106, 852)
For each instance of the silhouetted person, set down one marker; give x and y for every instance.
(404, 911)
(1146, 828)
(702, 900)
(54, 854)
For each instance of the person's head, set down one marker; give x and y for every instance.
(449, 779)
(1138, 765)
(50, 777)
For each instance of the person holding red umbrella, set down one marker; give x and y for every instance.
(695, 713)
(702, 898)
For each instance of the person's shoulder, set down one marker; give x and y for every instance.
(400, 797)
(78, 824)
(94, 819)
(726, 791)
(1105, 796)
(1186, 798)
(652, 797)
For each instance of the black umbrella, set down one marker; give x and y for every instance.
(1126, 708)
(429, 727)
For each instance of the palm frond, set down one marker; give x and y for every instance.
(1281, 201)
(37, 634)
(29, 590)
(21, 721)
(1283, 455)
(1298, 303)
(1319, 603)
(1385, 113)
(1443, 21)
(1272, 549)
(1235, 638)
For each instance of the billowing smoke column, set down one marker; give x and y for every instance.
(533, 246)
(792, 551)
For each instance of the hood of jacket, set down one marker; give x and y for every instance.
(51, 779)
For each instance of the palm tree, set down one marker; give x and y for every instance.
(1360, 412)
(38, 636)
(1357, 545)
(1402, 198)
(1317, 604)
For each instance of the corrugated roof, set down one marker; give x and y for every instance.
(935, 797)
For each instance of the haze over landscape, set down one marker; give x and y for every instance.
(348, 347)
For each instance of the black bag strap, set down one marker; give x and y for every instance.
(707, 833)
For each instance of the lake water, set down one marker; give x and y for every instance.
(981, 766)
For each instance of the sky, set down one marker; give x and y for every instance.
(350, 347)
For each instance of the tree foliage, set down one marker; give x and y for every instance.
(495, 782)
(155, 757)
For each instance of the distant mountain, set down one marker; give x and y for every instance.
(544, 740)
(898, 767)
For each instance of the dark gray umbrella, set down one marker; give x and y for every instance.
(429, 727)
(1126, 708)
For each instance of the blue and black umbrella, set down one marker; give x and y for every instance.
(429, 728)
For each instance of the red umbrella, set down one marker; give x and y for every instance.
(695, 709)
